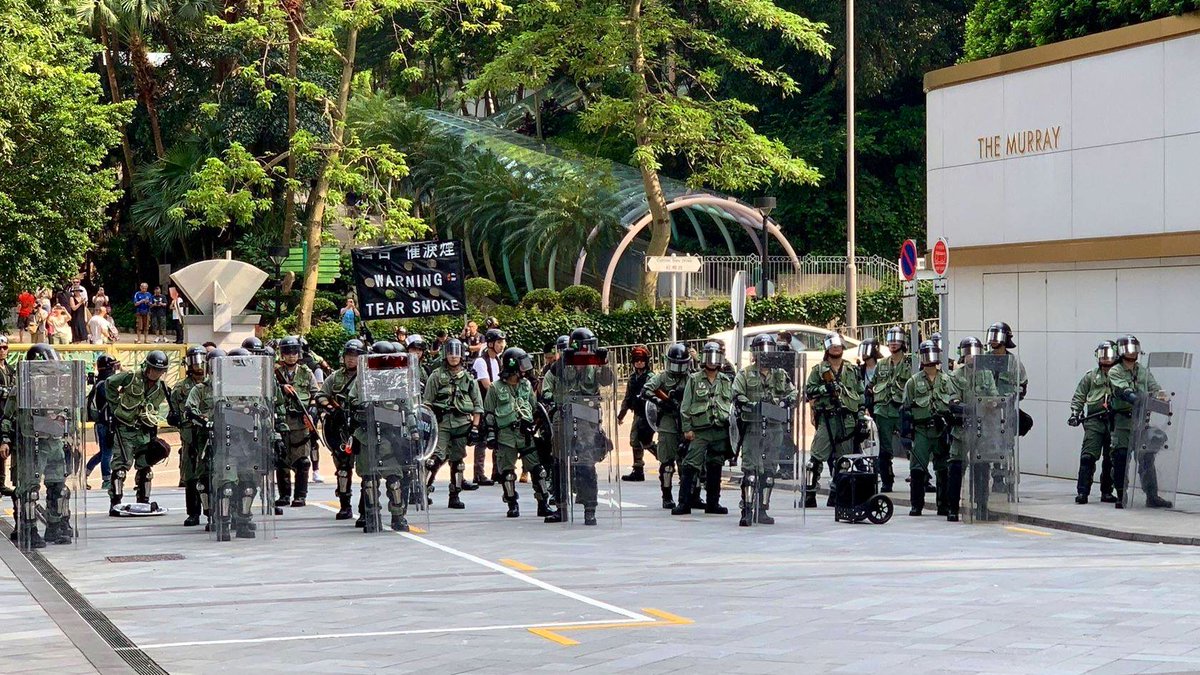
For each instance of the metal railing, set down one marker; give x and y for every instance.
(816, 273)
(130, 355)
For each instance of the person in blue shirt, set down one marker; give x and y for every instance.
(350, 317)
(142, 301)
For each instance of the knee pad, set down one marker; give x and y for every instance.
(302, 464)
(144, 475)
(343, 481)
(748, 478)
(395, 489)
(119, 475)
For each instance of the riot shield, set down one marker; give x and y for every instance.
(652, 415)
(764, 427)
(240, 481)
(586, 476)
(399, 435)
(1156, 437)
(49, 452)
(990, 439)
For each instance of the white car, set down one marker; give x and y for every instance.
(809, 340)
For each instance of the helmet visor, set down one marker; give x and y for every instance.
(894, 334)
(834, 340)
(712, 357)
(930, 355)
(1129, 347)
(1107, 352)
(196, 361)
(995, 336)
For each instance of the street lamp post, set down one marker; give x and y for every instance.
(851, 264)
(277, 255)
(764, 205)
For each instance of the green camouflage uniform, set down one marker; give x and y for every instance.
(135, 402)
(190, 433)
(761, 451)
(705, 413)
(890, 376)
(835, 413)
(673, 385)
(454, 397)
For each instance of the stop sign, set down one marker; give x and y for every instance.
(941, 257)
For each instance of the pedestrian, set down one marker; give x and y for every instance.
(707, 397)
(924, 427)
(100, 329)
(158, 315)
(100, 414)
(58, 326)
(26, 303)
(137, 396)
(1091, 407)
(641, 436)
(350, 317)
(453, 395)
(77, 305)
(100, 299)
(401, 334)
(39, 321)
(178, 311)
(836, 393)
(473, 341)
(486, 369)
(1131, 382)
(142, 302)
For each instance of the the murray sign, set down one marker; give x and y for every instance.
(410, 280)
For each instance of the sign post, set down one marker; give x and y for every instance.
(673, 265)
(908, 293)
(940, 258)
(737, 308)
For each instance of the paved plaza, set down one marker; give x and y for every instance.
(481, 593)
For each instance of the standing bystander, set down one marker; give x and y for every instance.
(142, 301)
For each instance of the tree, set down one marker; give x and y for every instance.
(997, 27)
(660, 66)
(100, 16)
(54, 136)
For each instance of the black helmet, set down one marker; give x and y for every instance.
(290, 345)
(514, 361)
(562, 342)
(764, 343)
(268, 351)
(251, 344)
(353, 346)
(678, 358)
(415, 341)
(869, 349)
(454, 347)
(713, 354)
(196, 357)
(931, 353)
(834, 340)
(1106, 351)
(969, 346)
(896, 334)
(156, 359)
(937, 340)
(106, 363)
(239, 351)
(42, 352)
(219, 353)
(303, 343)
(583, 340)
(383, 347)
(1129, 346)
(492, 335)
(999, 333)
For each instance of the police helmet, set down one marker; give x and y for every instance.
(196, 358)
(562, 342)
(491, 322)
(931, 353)
(493, 334)
(514, 361)
(354, 346)
(583, 340)
(454, 347)
(383, 347)
(998, 334)
(764, 343)
(869, 349)
(41, 352)
(267, 351)
(834, 340)
(678, 358)
(239, 351)
(1106, 352)
(1129, 346)
(251, 344)
(415, 341)
(713, 354)
(896, 338)
(969, 346)
(290, 345)
(106, 363)
(937, 340)
(156, 360)
(219, 353)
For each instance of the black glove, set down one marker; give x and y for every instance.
(1074, 420)
(906, 424)
(473, 434)
(621, 416)
(1129, 396)
(173, 419)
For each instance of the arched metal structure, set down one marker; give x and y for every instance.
(519, 152)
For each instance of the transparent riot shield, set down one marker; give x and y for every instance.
(764, 431)
(990, 424)
(586, 475)
(48, 455)
(240, 482)
(1156, 438)
(399, 435)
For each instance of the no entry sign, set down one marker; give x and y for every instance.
(941, 257)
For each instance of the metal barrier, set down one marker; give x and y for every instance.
(816, 273)
(130, 355)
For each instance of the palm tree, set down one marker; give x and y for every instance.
(99, 16)
(160, 188)
(135, 17)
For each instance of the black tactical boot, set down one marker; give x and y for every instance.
(344, 512)
(283, 480)
(668, 502)
(916, 492)
(455, 501)
(953, 494)
(1155, 502)
(942, 478)
(589, 515)
(712, 489)
(637, 475)
(687, 478)
(555, 516)
(399, 523)
(57, 534)
(1083, 484)
(513, 510)
(223, 526)
(191, 521)
(814, 482)
(244, 530)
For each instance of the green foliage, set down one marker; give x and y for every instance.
(481, 291)
(54, 138)
(582, 298)
(327, 339)
(541, 299)
(997, 27)
(324, 309)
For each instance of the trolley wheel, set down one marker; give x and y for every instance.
(880, 509)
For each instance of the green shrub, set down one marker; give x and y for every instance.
(581, 298)
(541, 299)
(481, 291)
(323, 310)
(327, 339)
(122, 316)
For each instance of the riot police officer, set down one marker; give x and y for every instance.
(415, 346)
(508, 410)
(1130, 381)
(189, 451)
(704, 413)
(967, 382)
(641, 435)
(332, 399)
(295, 388)
(763, 440)
(665, 390)
(924, 427)
(197, 408)
(8, 384)
(453, 394)
(1091, 407)
(888, 387)
(836, 394)
(135, 397)
(1000, 341)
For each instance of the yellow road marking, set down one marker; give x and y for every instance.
(667, 619)
(517, 565)
(416, 530)
(1027, 531)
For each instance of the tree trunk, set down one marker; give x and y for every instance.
(143, 79)
(316, 199)
(114, 90)
(289, 194)
(660, 218)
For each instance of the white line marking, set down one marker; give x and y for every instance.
(384, 633)
(520, 576)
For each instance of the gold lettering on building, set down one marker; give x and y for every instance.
(1027, 142)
